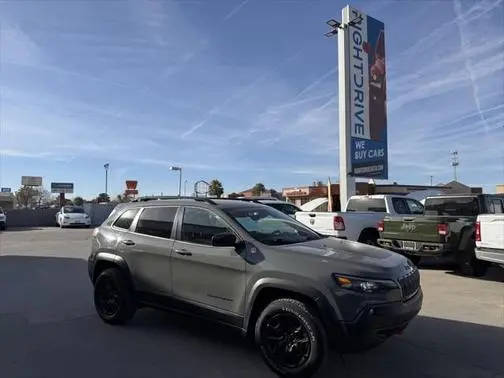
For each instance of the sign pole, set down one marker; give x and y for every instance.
(346, 181)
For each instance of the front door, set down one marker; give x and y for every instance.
(202, 273)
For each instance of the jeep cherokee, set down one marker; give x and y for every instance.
(254, 268)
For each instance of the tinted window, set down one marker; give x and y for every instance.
(497, 206)
(465, 206)
(414, 206)
(73, 210)
(157, 221)
(125, 220)
(285, 208)
(400, 206)
(367, 204)
(200, 225)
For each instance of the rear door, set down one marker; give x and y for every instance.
(148, 249)
(202, 273)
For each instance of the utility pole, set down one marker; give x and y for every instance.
(431, 177)
(106, 166)
(455, 163)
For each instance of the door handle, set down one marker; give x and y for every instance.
(128, 242)
(183, 252)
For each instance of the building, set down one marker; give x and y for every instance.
(249, 193)
(303, 194)
(455, 187)
(7, 201)
(499, 188)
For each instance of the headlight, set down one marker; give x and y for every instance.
(364, 285)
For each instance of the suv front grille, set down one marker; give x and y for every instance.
(410, 284)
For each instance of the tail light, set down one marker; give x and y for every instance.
(442, 229)
(381, 226)
(338, 223)
(478, 231)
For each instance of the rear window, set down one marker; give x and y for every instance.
(497, 206)
(125, 220)
(367, 204)
(464, 206)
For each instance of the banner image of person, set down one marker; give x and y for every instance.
(368, 96)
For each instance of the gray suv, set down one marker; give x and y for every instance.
(254, 268)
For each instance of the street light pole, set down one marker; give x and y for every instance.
(106, 166)
(180, 178)
(185, 185)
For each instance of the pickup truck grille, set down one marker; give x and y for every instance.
(410, 284)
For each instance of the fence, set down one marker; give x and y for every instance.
(47, 217)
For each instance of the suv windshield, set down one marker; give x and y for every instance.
(72, 209)
(270, 226)
(284, 208)
(467, 206)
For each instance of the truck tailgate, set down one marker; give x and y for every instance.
(418, 228)
(492, 231)
(318, 221)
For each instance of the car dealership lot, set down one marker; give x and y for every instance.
(49, 328)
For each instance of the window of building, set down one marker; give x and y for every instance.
(157, 221)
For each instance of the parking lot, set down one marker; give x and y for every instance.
(48, 326)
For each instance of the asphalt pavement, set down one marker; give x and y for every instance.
(48, 326)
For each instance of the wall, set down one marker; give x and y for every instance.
(31, 218)
(47, 217)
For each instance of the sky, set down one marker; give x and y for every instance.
(240, 91)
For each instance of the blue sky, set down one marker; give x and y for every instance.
(242, 91)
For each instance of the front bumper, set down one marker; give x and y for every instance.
(375, 323)
(417, 248)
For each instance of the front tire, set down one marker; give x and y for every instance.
(113, 297)
(291, 338)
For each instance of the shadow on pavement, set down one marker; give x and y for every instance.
(49, 328)
(12, 229)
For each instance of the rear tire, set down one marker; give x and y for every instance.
(415, 259)
(291, 338)
(113, 297)
(469, 265)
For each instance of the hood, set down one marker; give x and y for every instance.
(354, 259)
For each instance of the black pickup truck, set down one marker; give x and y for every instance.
(445, 229)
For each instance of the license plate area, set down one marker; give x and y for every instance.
(409, 245)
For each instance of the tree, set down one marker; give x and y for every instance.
(215, 188)
(233, 195)
(276, 194)
(258, 189)
(102, 197)
(27, 196)
(78, 201)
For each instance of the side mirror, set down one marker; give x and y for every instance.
(224, 239)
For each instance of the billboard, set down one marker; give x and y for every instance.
(31, 180)
(6, 190)
(368, 96)
(62, 187)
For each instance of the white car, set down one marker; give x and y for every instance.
(3, 220)
(490, 237)
(72, 216)
(361, 220)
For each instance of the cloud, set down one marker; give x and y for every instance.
(18, 48)
(236, 9)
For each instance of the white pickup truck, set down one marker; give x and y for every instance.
(490, 238)
(360, 221)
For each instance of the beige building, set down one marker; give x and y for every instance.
(499, 188)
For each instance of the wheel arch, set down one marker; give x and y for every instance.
(369, 231)
(267, 290)
(106, 260)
